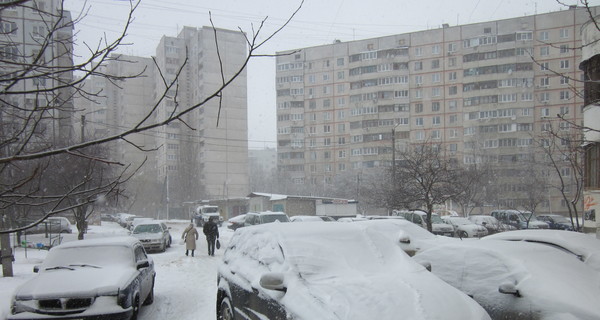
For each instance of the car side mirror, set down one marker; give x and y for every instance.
(403, 238)
(426, 264)
(509, 288)
(273, 281)
(143, 264)
(36, 269)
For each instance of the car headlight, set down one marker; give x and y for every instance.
(19, 306)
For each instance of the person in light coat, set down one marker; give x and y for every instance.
(190, 235)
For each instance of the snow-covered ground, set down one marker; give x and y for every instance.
(185, 286)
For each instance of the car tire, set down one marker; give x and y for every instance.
(226, 311)
(150, 298)
(464, 234)
(135, 306)
(164, 247)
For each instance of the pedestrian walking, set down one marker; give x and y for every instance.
(211, 231)
(190, 235)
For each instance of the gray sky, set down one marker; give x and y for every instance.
(318, 22)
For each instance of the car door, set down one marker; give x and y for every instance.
(146, 274)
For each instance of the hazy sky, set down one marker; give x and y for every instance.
(318, 22)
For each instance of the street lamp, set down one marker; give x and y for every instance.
(394, 155)
(83, 122)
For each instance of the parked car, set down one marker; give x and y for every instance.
(236, 222)
(583, 246)
(490, 223)
(153, 235)
(254, 218)
(107, 278)
(311, 219)
(519, 219)
(517, 280)
(464, 228)
(407, 235)
(205, 212)
(556, 221)
(437, 224)
(138, 220)
(327, 271)
(52, 225)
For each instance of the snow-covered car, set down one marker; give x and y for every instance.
(255, 218)
(311, 219)
(517, 280)
(107, 278)
(154, 235)
(52, 225)
(438, 226)
(324, 271)
(464, 228)
(236, 222)
(557, 222)
(490, 223)
(407, 235)
(138, 220)
(519, 219)
(583, 246)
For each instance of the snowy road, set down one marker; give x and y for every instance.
(185, 287)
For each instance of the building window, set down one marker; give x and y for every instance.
(545, 112)
(564, 48)
(452, 76)
(544, 51)
(418, 52)
(419, 80)
(545, 96)
(435, 106)
(418, 65)
(340, 75)
(544, 82)
(452, 62)
(452, 90)
(564, 64)
(419, 135)
(543, 35)
(436, 121)
(544, 66)
(340, 61)
(452, 105)
(435, 77)
(564, 33)
(435, 49)
(327, 142)
(418, 93)
(564, 110)
(418, 108)
(327, 128)
(435, 64)
(564, 80)
(565, 95)
(435, 92)
(435, 134)
(419, 121)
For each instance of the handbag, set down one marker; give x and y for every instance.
(218, 244)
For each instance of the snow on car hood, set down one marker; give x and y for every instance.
(338, 271)
(147, 236)
(76, 281)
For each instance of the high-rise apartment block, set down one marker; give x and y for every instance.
(201, 155)
(484, 91)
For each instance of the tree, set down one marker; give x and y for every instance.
(425, 178)
(472, 182)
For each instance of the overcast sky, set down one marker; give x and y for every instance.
(318, 22)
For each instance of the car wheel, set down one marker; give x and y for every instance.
(164, 247)
(135, 306)
(226, 310)
(464, 234)
(150, 298)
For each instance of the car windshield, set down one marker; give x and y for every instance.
(92, 255)
(210, 210)
(147, 228)
(274, 217)
(436, 219)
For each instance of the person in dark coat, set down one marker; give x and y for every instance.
(190, 235)
(211, 231)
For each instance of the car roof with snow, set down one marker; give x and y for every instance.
(108, 241)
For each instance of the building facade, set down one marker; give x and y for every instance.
(210, 161)
(484, 91)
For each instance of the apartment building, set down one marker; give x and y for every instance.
(484, 91)
(29, 60)
(209, 161)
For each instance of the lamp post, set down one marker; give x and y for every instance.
(394, 155)
(83, 122)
